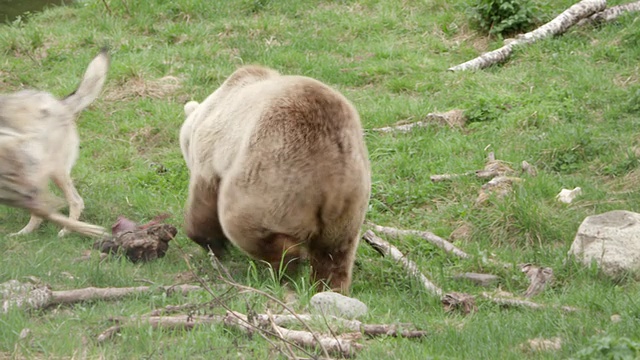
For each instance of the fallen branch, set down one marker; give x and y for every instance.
(16, 294)
(351, 325)
(452, 118)
(262, 321)
(492, 169)
(426, 235)
(505, 301)
(452, 300)
(446, 177)
(93, 293)
(402, 127)
(343, 346)
(459, 301)
(558, 25)
(387, 249)
(611, 13)
(225, 277)
(539, 277)
(500, 186)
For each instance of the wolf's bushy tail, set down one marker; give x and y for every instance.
(91, 84)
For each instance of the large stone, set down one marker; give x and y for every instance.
(612, 240)
(331, 303)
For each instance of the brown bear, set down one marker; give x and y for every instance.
(278, 166)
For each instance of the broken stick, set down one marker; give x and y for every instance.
(521, 303)
(387, 249)
(21, 295)
(558, 25)
(426, 235)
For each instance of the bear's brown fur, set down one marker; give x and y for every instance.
(279, 167)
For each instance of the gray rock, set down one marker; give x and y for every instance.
(331, 303)
(612, 240)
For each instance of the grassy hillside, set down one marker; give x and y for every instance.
(568, 105)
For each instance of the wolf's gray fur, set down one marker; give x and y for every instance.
(39, 142)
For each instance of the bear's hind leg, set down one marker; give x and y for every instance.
(202, 224)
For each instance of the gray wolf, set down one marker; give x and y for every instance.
(38, 143)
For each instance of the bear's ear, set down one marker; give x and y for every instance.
(189, 107)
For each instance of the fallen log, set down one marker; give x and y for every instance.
(15, 294)
(558, 25)
(610, 14)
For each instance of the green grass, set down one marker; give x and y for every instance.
(569, 105)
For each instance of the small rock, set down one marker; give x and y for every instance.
(24, 333)
(541, 344)
(566, 196)
(331, 303)
(615, 318)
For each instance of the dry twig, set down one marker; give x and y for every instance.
(452, 118)
(539, 278)
(426, 235)
(40, 297)
(387, 249)
(492, 169)
(506, 301)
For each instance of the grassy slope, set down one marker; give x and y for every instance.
(568, 105)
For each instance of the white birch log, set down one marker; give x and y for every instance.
(559, 25)
(611, 13)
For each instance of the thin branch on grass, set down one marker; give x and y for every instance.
(341, 346)
(452, 118)
(558, 25)
(93, 293)
(107, 6)
(126, 7)
(611, 13)
(225, 276)
(351, 325)
(40, 297)
(521, 303)
(492, 169)
(446, 177)
(426, 235)
(402, 128)
(539, 277)
(386, 249)
(276, 329)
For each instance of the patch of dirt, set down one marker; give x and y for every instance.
(624, 81)
(467, 35)
(629, 182)
(139, 87)
(463, 232)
